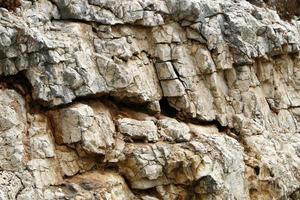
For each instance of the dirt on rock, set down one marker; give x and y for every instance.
(287, 9)
(10, 4)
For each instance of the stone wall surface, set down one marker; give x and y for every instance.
(149, 100)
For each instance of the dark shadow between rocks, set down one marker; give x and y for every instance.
(287, 9)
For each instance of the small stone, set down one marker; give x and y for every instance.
(138, 130)
(174, 130)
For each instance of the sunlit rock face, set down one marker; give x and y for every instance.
(149, 100)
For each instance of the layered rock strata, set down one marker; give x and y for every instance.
(149, 99)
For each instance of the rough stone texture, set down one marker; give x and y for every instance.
(138, 130)
(149, 99)
(173, 130)
(12, 126)
(79, 123)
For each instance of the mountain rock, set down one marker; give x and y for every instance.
(149, 99)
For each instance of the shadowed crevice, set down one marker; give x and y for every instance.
(287, 9)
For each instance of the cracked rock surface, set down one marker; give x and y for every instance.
(149, 100)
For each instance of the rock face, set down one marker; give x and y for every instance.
(149, 99)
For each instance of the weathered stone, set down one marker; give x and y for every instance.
(165, 71)
(174, 130)
(187, 99)
(12, 130)
(45, 172)
(41, 139)
(159, 164)
(10, 185)
(70, 163)
(138, 130)
(79, 123)
(172, 88)
(171, 192)
(100, 184)
(163, 52)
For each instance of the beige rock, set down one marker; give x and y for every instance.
(41, 139)
(151, 165)
(79, 123)
(45, 172)
(12, 130)
(204, 96)
(100, 184)
(171, 192)
(70, 163)
(163, 52)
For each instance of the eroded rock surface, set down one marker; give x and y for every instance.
(149, 99)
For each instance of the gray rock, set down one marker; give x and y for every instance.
(174, 130)
(204, 95)
(165, 71)
(138, 130)
(172, 88)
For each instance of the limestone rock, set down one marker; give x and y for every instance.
(12, 130)
(79, 123)
(172, 88)
(41, 139)
(186, 99)
(10, 185)
(138, 130)
(160, 164)
(165, 71)
(174, 130)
